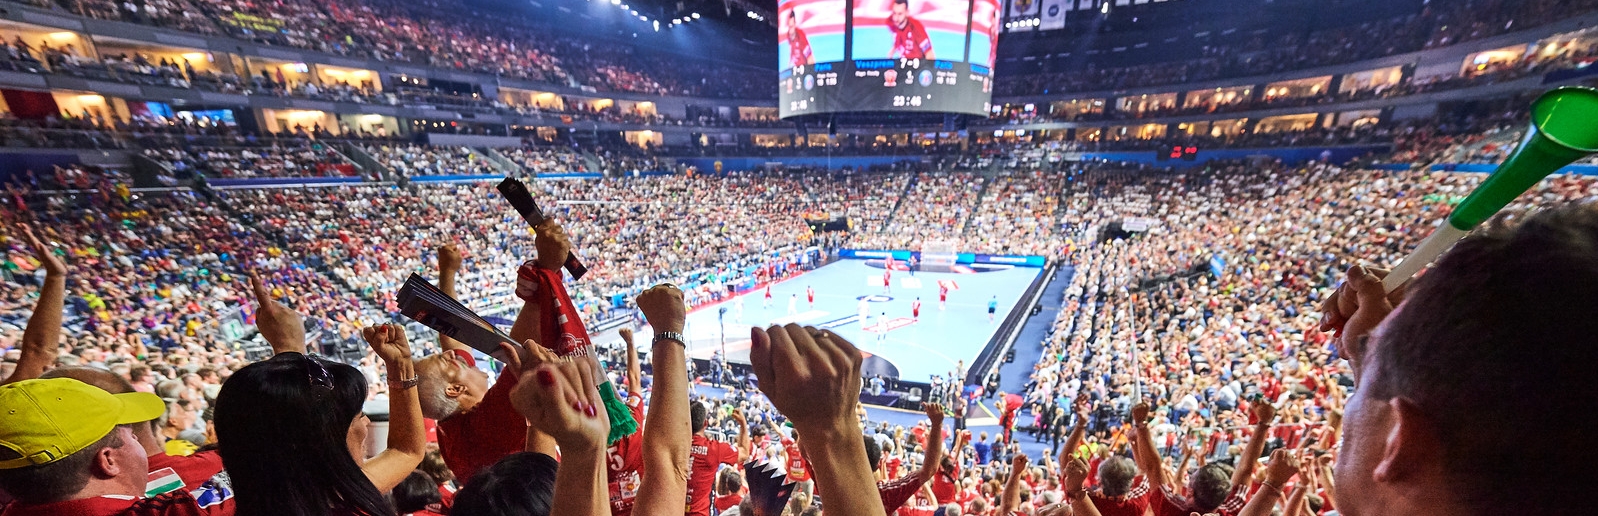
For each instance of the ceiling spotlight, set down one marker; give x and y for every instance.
(696, 16)
(615, 2)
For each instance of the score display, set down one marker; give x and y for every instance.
(885, 55)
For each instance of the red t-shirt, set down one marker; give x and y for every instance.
(799, 48)
(622, 462)
(474, 440)
(798, 470)
(724, 502)
(1166, 503)
(911, 41)
(1135, 503)
(193, 469)
(209, 500)
(921, 506)
(944, 485)
(708, 456)
(895, 493)
(892, 466)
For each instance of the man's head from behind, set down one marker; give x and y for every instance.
(1474, 393)
(1115, 475)
(698, 413)
(449, 385)
(64, 439)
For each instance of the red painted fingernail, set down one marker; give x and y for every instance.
(578, 406)
(545, 378)
(590, 410)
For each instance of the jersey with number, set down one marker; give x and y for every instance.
(909, 41)
(622, 463)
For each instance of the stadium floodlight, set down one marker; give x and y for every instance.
(615, 2)
(696, 16)
(1105, 8)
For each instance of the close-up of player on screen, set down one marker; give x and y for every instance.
(910, 39)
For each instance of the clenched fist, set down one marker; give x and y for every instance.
(662, 306)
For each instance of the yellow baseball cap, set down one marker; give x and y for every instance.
(47, 420)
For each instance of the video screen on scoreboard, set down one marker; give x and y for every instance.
(810, 32)
(910, 29)
(985, 24)
(902, 55)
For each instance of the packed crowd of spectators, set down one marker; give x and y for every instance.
(1017, 214)
(936, 207)
(411, 160)
(1439, 24)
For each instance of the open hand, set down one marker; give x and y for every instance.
(283, 328)
(562, 400)
(51, 263)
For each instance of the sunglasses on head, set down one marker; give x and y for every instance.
(315, 372)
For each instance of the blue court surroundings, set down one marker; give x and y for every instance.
(914, 348)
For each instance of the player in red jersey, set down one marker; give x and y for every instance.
(768, 297)
(810, 295)
(915, 310)
(799, 52)
(910, 39)
(887, 280)
(943, 296)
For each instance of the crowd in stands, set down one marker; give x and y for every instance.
(1162, 382)
(537, 160)
(412, 160)
(444, 33)
(1439, 24)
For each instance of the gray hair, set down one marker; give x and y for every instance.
(433, 392)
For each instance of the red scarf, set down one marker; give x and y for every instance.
(560, 328)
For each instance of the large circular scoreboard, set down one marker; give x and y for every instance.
(886, 55)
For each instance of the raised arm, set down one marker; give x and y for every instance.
(1076, 472)
(552, 245)
(743, 435)
(1147, 458)
(1079, 430)
(635, 373)
(283, 328)
(41, 339)
(1281, 469)
(449, 264)
(934, 456)
(1264, 413)
(1012, 486)
(407, 439)
(812, 376)
(667, 431)
(562, 399)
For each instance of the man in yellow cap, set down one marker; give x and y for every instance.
(68, 448)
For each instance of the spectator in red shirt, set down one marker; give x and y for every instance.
(1210, 488)
(1467, 390)
(102, 472)
(910, 39)
(946, 483)
(193, 469)
(729, 490)
(476, 424)
(896, 491)
(799, 49)
(708, 456)
(418, 495)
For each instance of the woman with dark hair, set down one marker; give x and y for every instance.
(292, 435)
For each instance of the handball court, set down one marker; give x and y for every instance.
(898, 342)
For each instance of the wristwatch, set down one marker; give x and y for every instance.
(671, 335)
(400, 385)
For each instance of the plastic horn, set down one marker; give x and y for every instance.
(1564, 128)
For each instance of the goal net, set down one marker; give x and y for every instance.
(939, 255)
